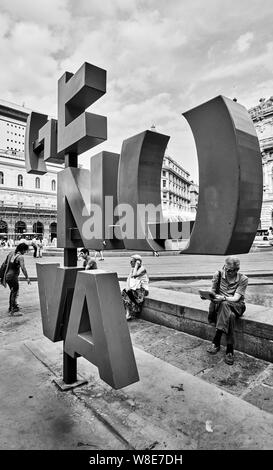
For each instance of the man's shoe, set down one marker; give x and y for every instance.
(212, 349)
(229, 359)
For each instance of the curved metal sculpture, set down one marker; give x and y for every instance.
(230, 175)
(139, 183)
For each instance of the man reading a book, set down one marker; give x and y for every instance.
(229, 287)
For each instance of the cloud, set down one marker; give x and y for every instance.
(162, 58)
(49, 12)
(240, 67)
(244, 41)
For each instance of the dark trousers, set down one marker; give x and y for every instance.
(223, 314)
(14, 291)
(34, 251)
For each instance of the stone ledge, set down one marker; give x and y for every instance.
(188, 313)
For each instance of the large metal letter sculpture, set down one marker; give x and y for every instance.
(79, 131)
(98, 329)
(230, 178)
(139, 183)
(56, 287)
(40, 143)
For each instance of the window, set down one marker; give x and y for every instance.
(37, 206)
(20, 205)
(53, 185)
(20, 180)
(164, 183)
(37, 183)
(1, 177)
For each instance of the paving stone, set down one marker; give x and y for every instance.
(236, 378)
(151, 335)
(262, 397)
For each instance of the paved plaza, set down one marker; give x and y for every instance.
(169, 266)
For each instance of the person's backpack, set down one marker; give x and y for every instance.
(3, 270)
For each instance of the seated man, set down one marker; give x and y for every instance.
(229, 286)
(88, 262)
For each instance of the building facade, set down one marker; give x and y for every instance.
(28, 203)
(262, 116)
(176, 187)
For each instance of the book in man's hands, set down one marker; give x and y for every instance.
(207, 294)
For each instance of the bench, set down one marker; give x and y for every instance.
(188, 313)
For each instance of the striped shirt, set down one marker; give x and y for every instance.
(238, 286)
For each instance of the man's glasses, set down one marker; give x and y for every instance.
(231, 270)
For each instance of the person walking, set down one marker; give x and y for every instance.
(137, 288)
(15, 262)
(229, 287)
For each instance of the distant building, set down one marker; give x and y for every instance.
(262, 116)
(194, 193)
(28, 203)
(176, 188)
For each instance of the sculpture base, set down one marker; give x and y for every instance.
(65, 387)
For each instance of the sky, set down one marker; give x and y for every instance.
(162, 59)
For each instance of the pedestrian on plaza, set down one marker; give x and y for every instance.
(40, 247)
(229, 287)
(88, 261)
(14, 262)
(137, 288)
(100, 252)
(35, 246)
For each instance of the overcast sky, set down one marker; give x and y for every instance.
(162, 58)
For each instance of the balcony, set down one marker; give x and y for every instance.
(260, 111)
(27, 209)
(266, 143)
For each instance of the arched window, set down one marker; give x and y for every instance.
(1, 177)
(37, 183)
(53, 185)
(20, 180)
(38, 227)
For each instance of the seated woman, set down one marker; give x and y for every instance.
(133, 295)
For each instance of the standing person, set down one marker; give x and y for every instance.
(15, 261)
(40, 246)
(35, 247)
(229, 286)
(100, 252)
(137, 288)
(88, 262)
